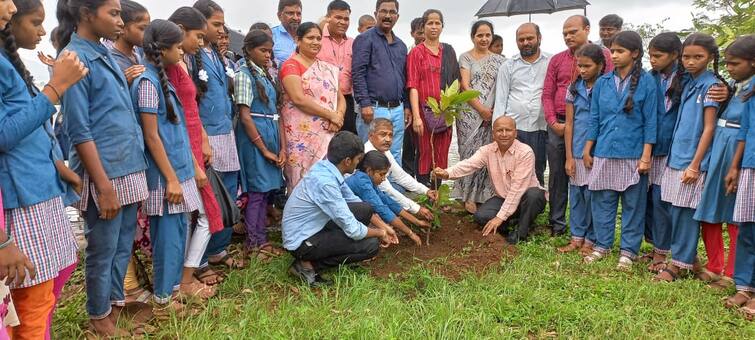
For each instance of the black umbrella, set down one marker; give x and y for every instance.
(507, 8)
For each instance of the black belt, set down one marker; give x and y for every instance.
(388, 103)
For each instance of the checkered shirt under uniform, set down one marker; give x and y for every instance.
(613, 174)
(225, 158)
(744, 208)
(680, 194)
(581, 174)
(130, 189)
(44, 233)
(658, 167)
(154, 205)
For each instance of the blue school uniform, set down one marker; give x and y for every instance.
(361, 185)
(619, 138)
(257, 173)
(715, 205)
(215, 107)
(98, 108)
(27, 170)
(69, 193)
(744, 264)
(580, 217)
(168, 231)
(684, 197)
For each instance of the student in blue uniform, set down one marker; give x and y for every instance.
(740, 62)
(592, 64)
(372, 171)
(688, 159)
(259, 140)
(622, 131)
(216, 111)
(171, 166)
(35, 226)
(108, 153)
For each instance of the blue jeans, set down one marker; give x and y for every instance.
(580, 214)
(633, 204)
(658, 219)
(168, 235)
(108, 252)
(744, 264)
(219, 241)
(685, 235)
(396, 116)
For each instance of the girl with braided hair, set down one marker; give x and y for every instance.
(740, 62)
(622, 131)
(689, 156)
(591, 63)
(173, 186)
(259, 139)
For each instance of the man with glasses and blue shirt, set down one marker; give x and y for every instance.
(379, 75)
(284, 44)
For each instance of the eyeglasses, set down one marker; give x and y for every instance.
(387, 12)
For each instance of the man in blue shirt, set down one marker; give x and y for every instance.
(324, 224)
(379, 76)
(284, 45)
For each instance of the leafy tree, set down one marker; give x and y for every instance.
(724, 19)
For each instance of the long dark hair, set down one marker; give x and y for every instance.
(669, 42)
(192, 19)
(708, 44)
(252, 40)
(632, 41)
(374, 160)
(208, 9)
(68, 13)
(23, 8)
(743, 47)
(161, 35)
(595, 53)
(132, 11)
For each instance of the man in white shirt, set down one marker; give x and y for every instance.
(380, 138)
(519, 88)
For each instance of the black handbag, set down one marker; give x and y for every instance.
(228, 209)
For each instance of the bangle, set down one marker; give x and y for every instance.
(54, 90)
(644, 161)
(693, 170)
(7, 242)
(256, 139)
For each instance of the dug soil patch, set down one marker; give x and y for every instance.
(455, 249)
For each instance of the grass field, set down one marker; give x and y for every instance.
(537, 294)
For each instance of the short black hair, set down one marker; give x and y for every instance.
(344, 145)
(611, 20)
(285, 3)
(496, 38)
(374, 160)
(380, 2)
(339, 5)
(417, 24)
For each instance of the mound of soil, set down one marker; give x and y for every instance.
(455, 249)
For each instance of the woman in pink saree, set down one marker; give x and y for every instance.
(313, 108)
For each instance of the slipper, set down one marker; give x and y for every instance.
(738, 299)
(706, 275)
(748, 310)
(724, 283)
(270, 249)
(203, 274)
(625, 264)
(657, 266)
(666, 275)
(138, 295)
(594, 257)
(224, 262)
(198, 292)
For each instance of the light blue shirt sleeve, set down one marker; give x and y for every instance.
(332, 202)
(27, 116)
(76, 108)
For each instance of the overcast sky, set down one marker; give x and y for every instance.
(459, 16)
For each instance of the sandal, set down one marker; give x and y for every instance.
(723, 283)
(657, 266)
(572, 246)
(749, 310)
(207, 276)
(229, 262)
(164, 311)
(666, 275)
(585, 250)
(625, 264)
(594, 257)
(258, 254)
(271, 250)
(706, 275)
(647, 257)
(138, 295)
(196, 290)
(738, 299)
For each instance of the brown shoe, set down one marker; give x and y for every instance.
(572, 246)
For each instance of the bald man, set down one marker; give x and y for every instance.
(511, 165)
(562, 70)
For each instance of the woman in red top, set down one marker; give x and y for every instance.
(430, 67)
(195, 281)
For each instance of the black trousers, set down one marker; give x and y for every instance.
(558, 181)
(350, 117)
(330, 247)
(409, 154)
(531, 205)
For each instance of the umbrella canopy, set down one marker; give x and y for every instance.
(507, 8)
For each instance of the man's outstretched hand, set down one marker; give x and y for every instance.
(492, 226)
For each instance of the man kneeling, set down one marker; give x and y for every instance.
(511, 165)
(324, 223)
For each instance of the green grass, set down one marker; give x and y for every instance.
(538, 294)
